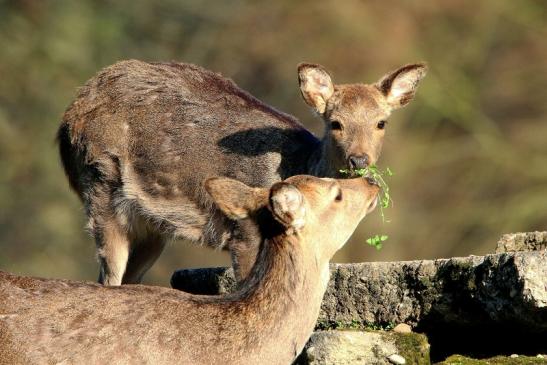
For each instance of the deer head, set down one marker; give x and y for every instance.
(355, 115)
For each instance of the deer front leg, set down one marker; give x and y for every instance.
(112, 251)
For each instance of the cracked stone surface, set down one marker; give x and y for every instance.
(506, 288)
(528, 241)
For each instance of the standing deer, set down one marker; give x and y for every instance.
(140, 139)
(302, 221)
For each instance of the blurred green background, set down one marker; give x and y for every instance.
(469, 153)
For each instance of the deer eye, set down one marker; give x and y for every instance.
(336, 125)
(381, 124)
(338, 196)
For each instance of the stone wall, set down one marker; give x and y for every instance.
(478, 305)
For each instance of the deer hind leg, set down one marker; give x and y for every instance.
(144, 252)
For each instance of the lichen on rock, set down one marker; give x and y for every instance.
(364, 347)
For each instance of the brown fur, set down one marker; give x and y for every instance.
(141, 138)
(267, 321)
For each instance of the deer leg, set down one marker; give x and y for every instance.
(144, 252)
(112, 251)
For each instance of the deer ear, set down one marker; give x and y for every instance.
(315, 85)
(400, 85)
(234, 198)
(287, 205)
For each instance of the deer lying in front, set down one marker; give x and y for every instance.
(303, 221)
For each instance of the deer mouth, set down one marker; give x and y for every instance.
(350, 173)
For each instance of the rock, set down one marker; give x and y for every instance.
(529, 241)
(211, 281)
(497, 360)
(402, 328)
(471, 290)
(492, 290)
(310, 353)
(364, 347)
(396, 359)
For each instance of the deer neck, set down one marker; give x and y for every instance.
(326, 159)
(283, 293)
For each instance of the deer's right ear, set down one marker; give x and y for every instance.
(399, 86)
(234, 198)
(287, 205)
(315, 85)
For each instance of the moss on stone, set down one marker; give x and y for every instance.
(350, 346)
(354, 324)
(414, 347)
(426, 282)
(498, 360)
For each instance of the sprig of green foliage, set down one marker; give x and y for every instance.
(377, 174)
(377, 240)
(327, 325)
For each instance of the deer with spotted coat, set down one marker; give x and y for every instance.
(140, 139)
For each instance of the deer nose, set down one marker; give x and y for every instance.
(358, 162)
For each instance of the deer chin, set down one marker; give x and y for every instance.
(373, 204)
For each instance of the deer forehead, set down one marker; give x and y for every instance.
(311, 186)
(357, 102)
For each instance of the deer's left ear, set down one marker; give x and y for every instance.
(234, 198)
(287, 205)
(399, 86)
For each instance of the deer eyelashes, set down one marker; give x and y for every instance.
(336, 125)
(339, 196)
